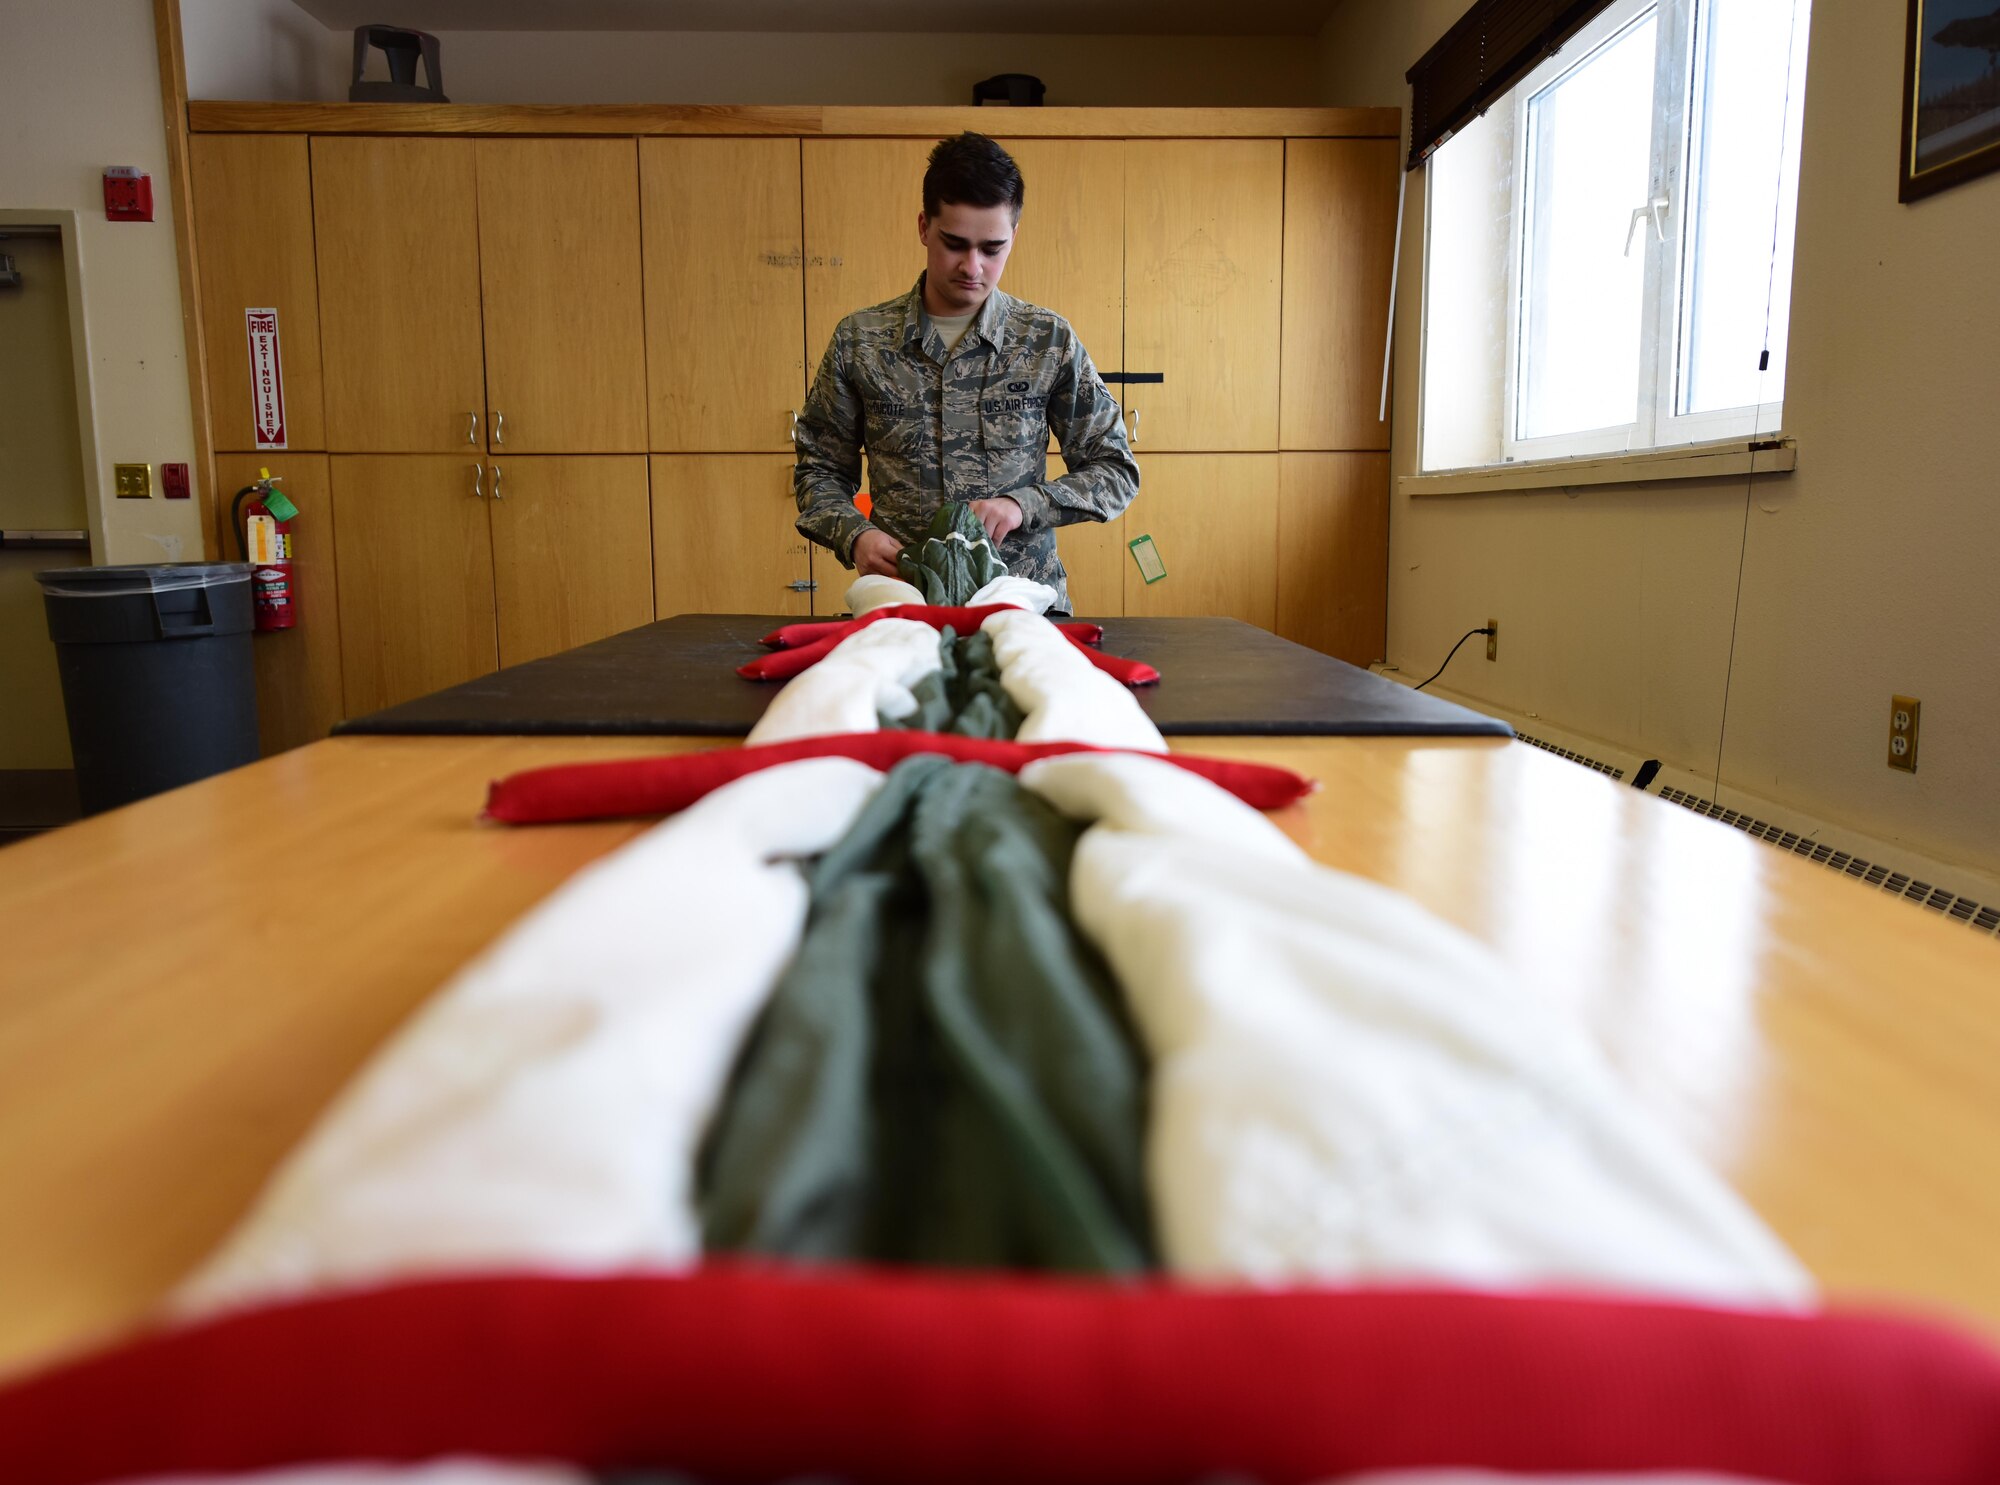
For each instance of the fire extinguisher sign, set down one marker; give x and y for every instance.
(267, 378)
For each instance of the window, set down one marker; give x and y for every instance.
(1609, 248)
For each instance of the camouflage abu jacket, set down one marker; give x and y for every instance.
(962, 428)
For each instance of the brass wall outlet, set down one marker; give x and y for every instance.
(1904, 713)
(1492, 639)
(133, 481)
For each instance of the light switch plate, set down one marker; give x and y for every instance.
(133, 481)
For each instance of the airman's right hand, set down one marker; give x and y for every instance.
(875, 553)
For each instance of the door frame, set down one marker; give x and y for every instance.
(66, 225)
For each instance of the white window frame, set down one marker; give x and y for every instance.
(1666, 303)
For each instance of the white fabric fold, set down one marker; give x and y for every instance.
(544, 1110)
(872, 591)
(868, 673)
(1063, 696)
(1346, 1088)
(1036, 598)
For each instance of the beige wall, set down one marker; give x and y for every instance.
(80, 90)
(1869, 571)
(268, 49)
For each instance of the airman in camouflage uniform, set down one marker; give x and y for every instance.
(963, 425)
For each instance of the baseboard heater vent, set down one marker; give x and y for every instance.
(1548, 747)
(1984, 918)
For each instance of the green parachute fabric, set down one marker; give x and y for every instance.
(945, 1073)
(955, 559)
(963, 695)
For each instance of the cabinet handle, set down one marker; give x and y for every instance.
(496, 477)
(477, 492)
(499, 424)
(1132, 426)
(793, 432)
(472, 427)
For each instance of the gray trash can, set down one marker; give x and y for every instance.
(156, 675)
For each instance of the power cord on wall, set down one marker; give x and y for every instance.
(1454, 650)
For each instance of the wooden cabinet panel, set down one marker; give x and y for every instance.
(1204, 232)
(1069, 255)
(253, 216)
(862, 201)
(572, 550)
(560, 285)
(1340, 236)
(397, 230)
(1333, 553)
(725, 337)
(1214, 520)
(416, 576)
(723, 539)
(298, 669)
(1093, 554)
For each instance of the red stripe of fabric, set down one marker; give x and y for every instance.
(1131, 672)
(662, 786)
(811, 643)
(746, 1374)
(791, 636)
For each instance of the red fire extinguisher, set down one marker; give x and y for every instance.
(264, 537)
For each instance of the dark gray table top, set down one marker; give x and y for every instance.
(678, 677)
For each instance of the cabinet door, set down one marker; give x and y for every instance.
(1333, 553)
(1204, 234)
(253, 216)
(725, 323)
(1093, 554)
(1214, 520)
(416, 576)
(723, 539)
(560, 288)
(572, 550)
(298, 669)
(1340, 235)
(862, 200)
(1069, 251)
(396, 223)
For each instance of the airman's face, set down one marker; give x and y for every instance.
(965, 248)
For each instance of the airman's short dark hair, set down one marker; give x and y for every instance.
(971, 170)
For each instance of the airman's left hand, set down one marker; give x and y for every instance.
(998, 515)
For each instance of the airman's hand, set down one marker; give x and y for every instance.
(875, 552)
(999, 516)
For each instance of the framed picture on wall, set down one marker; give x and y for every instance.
(1951, 94)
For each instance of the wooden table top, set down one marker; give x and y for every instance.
(188, 981)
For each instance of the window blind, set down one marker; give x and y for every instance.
(1493, 46)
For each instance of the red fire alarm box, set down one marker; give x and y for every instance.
(128, 194)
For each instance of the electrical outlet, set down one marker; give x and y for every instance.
(1904, 714)
(133, 481)
(1492, 639)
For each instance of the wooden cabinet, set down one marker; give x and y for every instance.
(724, 542)
(1340, 235)
(415, 573)
(1214, 520)
(862, 198)
(572, 550)
(1093, 554)
(253, 211)
(559, 283)
(298, 669)
(726, 354)
(1333, 553)
(1069, 253)
(397, 227)
(1204, 234)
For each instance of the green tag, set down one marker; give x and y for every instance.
(1151, 568)
(279, 505)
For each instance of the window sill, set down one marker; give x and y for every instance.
(1767, 455)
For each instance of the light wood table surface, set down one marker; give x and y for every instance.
(185, 983)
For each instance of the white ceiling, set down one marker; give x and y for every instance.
(1016, 17)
